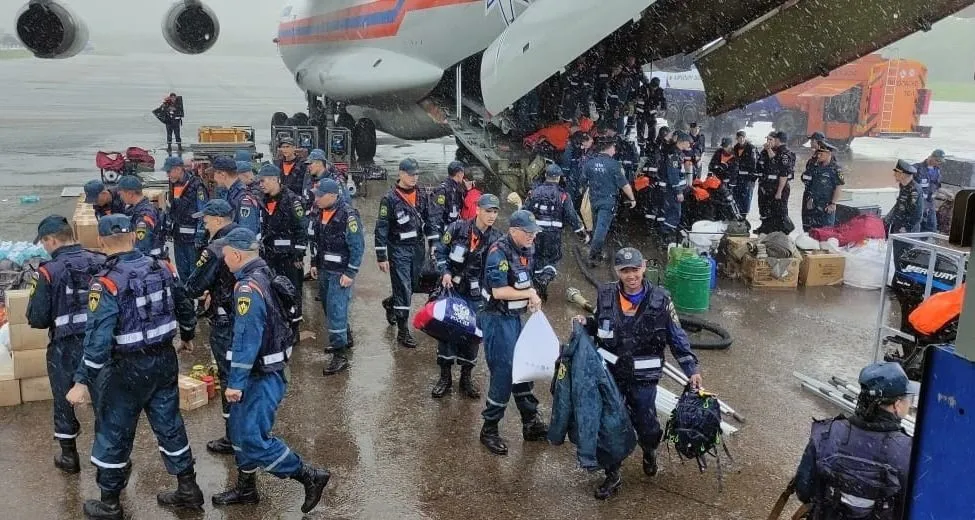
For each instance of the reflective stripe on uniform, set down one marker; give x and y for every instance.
(92, 364)
(287, 451)
(176, 453)
(282, 242)
(608, 356)
(187, 230)
(108, 465)
(404, 236)
(644, 364)
(154, 297)
(77, 318)
(65, 435)
(155, 251)
(135, 337)
(328, 257)
(549, 223)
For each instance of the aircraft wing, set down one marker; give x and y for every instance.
(364, 75)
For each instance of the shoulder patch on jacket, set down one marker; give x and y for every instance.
(204, 257)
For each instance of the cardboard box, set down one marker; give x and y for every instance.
(758, 274)
(86, 231)
(36, 389)
(29, 363)
(23, 337)
(17, 306)
(192, 393)
(821, 268)
(9, 391)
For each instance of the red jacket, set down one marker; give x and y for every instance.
(470, 203)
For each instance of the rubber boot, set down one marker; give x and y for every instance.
(492, 440)
(442, 386)
(348, 335)
(611, 485)
(467, 382)
(650, 463)
(337, 364)
(390, 315)
(108, 508)
(169, 148)
(314, 480)
(245, 492)
(403, 335)
(67, 461)
(187, 495)
(534, 429)
(221, 446)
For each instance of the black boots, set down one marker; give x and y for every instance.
(403, 335)
(390, 315)
(245, 492)
(337, 364)
(187, 495)
(650, 463)
(611, 485)
(442, 386)
(467, 384)
(534, 429)
(108, 508)
(492, 440)
(220, 446)
(314, 480)
(67, 461)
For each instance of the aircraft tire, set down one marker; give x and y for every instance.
(279, 118)
(300, 119)
(364, 140)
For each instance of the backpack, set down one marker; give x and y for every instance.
(694, 428)
(283, 292)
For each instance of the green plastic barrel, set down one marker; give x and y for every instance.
(691, 289)
(676, 254)
(670, 277)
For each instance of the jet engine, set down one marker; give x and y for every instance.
(51, 30)
(190, 27)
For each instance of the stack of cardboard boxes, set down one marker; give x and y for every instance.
(86, 225)
(28, 348)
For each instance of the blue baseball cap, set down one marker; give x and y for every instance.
(241, 239)
(130, 183)
(410, 166)
(51, 224)
(905, 167)
(938, 154)
(553, 171)
(114, 224)
(172, 162)
(817, 136)
(215, 208)
(269, 170)
(524, 220)
(489, 201)
(326, 187)
(243, 155)
(887, 380)
(628, 257)
(93, 188)
(244, 167)
(316, 155)
(224, 163)
(455, 166)
(683, 136)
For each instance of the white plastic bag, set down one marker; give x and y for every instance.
(536, 351)
(865, 265)
(5, 348)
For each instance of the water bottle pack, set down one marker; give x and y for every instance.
(20, 253)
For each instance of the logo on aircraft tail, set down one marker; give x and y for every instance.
(506, 8)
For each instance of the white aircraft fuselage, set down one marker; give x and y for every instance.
(384, 57)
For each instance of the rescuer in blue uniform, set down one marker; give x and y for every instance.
(339, 246)
(823, 180)
(460, 262)
(136, 304)
(697, 147)
(150, 231)
(773, 188)
(59, 302)
(604, 177)
(292, 168)
(634, 323)
(746, 157)
(908, 210)
(448, 198)
(508, 283)
(928, 177)
(244, 201)
(106, 201)
(284, 229)
(403, 228)
(212, 275)
(318, 168)
(858, 466)
(675, 172)
(261, 348)
(187, 195)
(552, 209)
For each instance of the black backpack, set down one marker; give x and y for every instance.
(694, 428)
(284, 292)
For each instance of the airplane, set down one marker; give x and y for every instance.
(423, 69)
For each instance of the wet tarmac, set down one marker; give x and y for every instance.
(394, 451)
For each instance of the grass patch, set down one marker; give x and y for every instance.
(13, 54)
(952, 91)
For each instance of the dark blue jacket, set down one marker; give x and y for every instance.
(588, 407)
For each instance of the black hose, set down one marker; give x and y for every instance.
(688, 323)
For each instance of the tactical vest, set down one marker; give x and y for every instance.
(145, 208)
(182, 208)
(276, 343)
(277, 233)
(519, 277)
(405, 221)
(453, 201)
(861, 472)
(222, 290)
(71, 272)
(332, 249)
(642, 337)
(236, 193)
(545, 202)
(674, 177)
(144, 290)
(468, 264)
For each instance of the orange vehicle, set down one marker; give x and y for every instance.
(870, 97)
